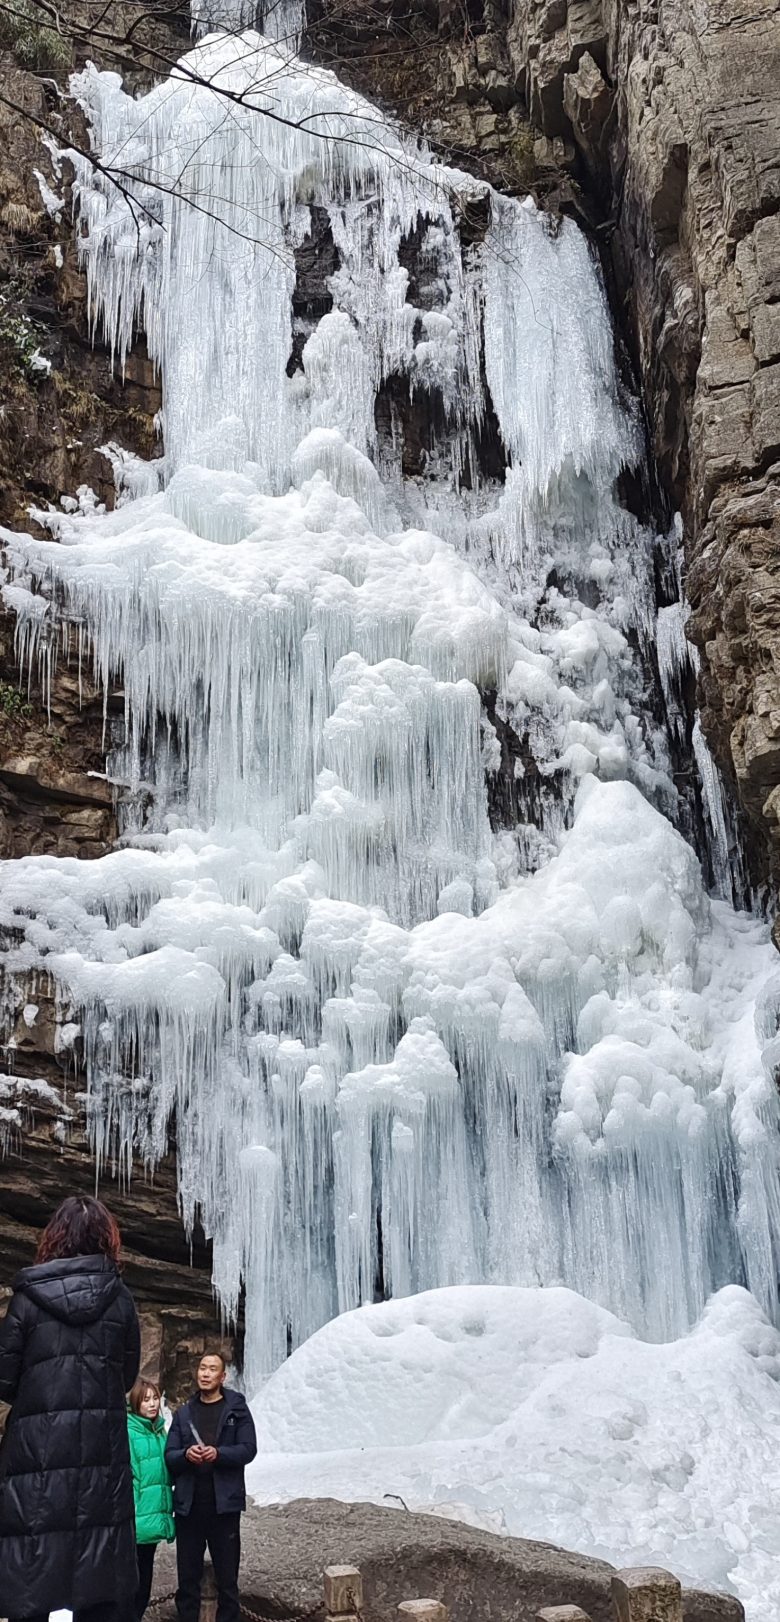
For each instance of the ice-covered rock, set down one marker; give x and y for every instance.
(400, 1051)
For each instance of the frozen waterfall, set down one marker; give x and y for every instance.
(405, 1043)
(280, 20)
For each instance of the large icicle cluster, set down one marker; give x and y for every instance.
(402, 1049)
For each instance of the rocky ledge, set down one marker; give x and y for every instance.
(407, 1556)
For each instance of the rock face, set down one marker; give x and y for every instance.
(54, 797)
(406, 1556)
(675, 113)
(702, 125)
(47, 1154)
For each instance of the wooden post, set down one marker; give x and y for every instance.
(343, 1588)
(208, 1595)
(646, 1594)
(423, 1610)
(562, 1613)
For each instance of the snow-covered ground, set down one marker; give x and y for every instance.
(539, 1414)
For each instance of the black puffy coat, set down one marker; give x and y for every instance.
(69, 1350)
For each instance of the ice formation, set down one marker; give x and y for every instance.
(405, 1045)
(537, 1413)
(280, 20)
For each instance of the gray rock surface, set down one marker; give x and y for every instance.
(675, 111)
(408, 1556)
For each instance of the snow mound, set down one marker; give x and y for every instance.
(446, 1364)
(538, 1413)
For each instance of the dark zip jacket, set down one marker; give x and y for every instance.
(69, 1350)
(236, 1446)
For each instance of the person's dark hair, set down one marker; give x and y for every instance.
(80, 1226)
(140, 1392)
(211, 1351)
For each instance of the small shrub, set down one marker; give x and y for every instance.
(13, 704)
(33, 42)
(21, 335)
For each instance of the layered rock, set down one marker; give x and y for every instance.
(62, 401)
(675, 114)
(47, 1153)
(443, 66)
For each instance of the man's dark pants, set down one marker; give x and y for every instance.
(203, 1528)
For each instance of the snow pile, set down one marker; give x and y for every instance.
(536, 1413)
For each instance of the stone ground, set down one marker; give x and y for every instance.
(408, 1556)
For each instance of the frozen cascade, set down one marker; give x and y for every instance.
(280, 20)
(403, 1049)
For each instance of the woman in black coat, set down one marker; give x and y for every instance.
(69, 1350)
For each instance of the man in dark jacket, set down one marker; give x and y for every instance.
(210, 1441)
(69, 1349)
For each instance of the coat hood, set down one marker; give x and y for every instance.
(76, 1290)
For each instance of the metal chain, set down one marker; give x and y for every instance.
(254, 1616)
(296, 1616)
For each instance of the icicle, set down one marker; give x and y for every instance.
(716, 812)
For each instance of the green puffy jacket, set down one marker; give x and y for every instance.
(151, 1481)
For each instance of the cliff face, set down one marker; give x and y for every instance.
(659, 126)
(674, 111)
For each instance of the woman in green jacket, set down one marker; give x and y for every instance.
(151, 1484)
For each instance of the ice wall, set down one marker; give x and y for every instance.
(404, 1048)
